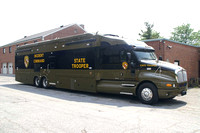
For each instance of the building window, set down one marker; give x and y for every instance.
(10, 49)
(4, 50)
(177, 62)
(75, 31)
(35, 41)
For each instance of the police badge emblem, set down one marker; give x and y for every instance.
(125, 65)
(26, 61)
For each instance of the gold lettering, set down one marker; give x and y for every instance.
(79, 60)
(151, 65)
(80, 65)
(38, 55)
(38, 61)
(87, 66)
(143, 65)
(83, 60)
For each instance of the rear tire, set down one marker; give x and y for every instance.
(45, 82)
(147, 93)
(37, 82)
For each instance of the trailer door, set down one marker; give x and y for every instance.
(51, 68)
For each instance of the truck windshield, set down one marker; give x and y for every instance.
(145, 55)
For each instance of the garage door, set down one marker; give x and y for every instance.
(10, 68)
(4, 67)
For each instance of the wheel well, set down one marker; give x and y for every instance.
(145, 81)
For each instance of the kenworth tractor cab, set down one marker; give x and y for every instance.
(156, 78)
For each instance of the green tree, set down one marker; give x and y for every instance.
(196, 38)
(183, 34)
(149, 33)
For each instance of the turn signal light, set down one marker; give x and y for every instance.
(169, 85)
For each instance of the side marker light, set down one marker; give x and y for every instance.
(169, 85)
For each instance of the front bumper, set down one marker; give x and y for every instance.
(169, 92)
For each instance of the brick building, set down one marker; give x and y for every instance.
(187, 56)
(7, 52)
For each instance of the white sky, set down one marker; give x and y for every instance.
(19, 18)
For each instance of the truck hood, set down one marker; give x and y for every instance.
(164, 65)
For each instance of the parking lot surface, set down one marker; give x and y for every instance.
(27, 109)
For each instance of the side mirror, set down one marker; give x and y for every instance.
(160, 58)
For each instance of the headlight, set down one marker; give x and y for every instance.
(181, 76)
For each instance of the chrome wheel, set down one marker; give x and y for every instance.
(147, 94)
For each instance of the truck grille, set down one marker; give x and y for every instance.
(182, 76)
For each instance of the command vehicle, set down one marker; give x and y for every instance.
(100, 63)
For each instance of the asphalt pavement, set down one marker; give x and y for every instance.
(28, 109)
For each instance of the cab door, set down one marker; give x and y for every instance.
(114, 69)
(110, 66)
(129, 64)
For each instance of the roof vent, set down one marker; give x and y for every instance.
(61, 26)
(25, 36)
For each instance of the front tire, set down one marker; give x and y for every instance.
(148, 93)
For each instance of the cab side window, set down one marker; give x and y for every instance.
(123, 56)
(110, 58)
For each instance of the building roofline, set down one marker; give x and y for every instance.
(41, 35)
(164, 39)
(13, 43)
(61, 28)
